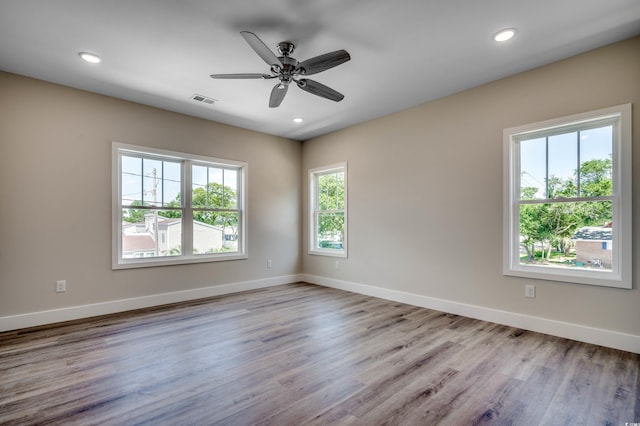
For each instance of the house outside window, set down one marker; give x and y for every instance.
(567, 199)
(328, 210)
(172, 208)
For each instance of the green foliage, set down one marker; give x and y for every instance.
(215, 196)
(330, 228)
(330, 198)
(552, 225)
(135, 215)
(533, 218)
(595, 178)
(173, 214)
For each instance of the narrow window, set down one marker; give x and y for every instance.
(328, 210)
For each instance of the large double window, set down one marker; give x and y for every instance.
(172, 208)
(567, 201)
(328, 210)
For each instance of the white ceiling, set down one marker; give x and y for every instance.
(403, 52)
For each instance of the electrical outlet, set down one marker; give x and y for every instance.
(61, 286)
(269, 263)
(530, 291)
(337, 264)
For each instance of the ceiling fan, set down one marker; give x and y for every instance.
(288, 69)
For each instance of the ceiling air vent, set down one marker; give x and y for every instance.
(204, 99)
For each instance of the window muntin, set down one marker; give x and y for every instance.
(568, 199)
(149, 181)
(328, 213)
(176, 208)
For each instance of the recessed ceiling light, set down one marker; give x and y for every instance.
(298, 120)
(90, 57)
(504, 35)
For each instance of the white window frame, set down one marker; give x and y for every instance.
(620, 274)
(187, 255)
(314, 212)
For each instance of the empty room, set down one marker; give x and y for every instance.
(319, 212)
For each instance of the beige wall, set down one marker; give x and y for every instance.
(425, 192)
(55, 196)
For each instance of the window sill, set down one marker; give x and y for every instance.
(605, 278)
(330, 253)
(183, 260)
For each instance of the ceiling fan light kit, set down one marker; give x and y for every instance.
(287, 69)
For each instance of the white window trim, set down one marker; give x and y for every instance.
(119, 263)
(620, 275)
(313, 188)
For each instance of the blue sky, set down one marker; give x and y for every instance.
(158, 181)
(149, 180)
(595, 143)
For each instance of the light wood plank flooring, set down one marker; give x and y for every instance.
(302, 354)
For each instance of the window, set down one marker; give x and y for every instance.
(567, 199)
(328, 210)
(172, 208)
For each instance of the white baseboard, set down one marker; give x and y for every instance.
(611, 339)
(32, 319)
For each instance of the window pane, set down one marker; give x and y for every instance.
(330, 230)
(171, 184)
(215, 190)
(214, 187)
(563, 162)
(171, 195)
(131, 180)
(596, 165)
(596, 143)
(131, 165)
(199, 186)
(151, 233)
(215, 175)
(569, 235)
(199, 175)
(215, 232)
(152, 182)
(331, 191)
(533, 165)
(340, 191)
(230, 188)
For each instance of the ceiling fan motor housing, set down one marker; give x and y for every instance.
(286, 48)
(288, 69)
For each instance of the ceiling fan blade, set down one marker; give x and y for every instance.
(261, 49)
(319, 89)
(323, 62)
(243, 76)
(277, 94)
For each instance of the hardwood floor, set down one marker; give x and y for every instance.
(301, 354)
